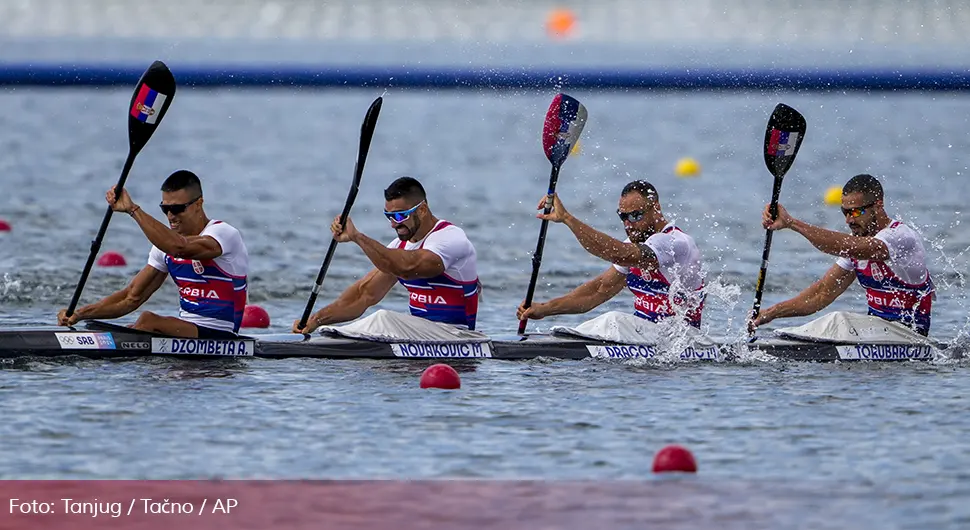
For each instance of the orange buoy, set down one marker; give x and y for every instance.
(440, 376)
(674, 458)
(112, 259)
(255, 317)
(560, 23)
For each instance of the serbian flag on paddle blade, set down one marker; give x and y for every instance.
(782, 142)
(147, 105)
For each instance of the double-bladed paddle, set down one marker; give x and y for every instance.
(153, 95)
(563, 126)
(783, 137)
(366, 134)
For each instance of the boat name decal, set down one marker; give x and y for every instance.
(85, 341)
(884, 352)
(478, 349)
(645, 351)
(224, 348)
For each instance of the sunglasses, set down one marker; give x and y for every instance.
(634, 217)
(856, 212)
(176, 209)
(401, 215)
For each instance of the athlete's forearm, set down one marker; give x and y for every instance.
(115, 305)
(584, 298)
(602, 245)
(167, 240)
(349, 305)
(828, 241)
(393, 261)
(807, 303)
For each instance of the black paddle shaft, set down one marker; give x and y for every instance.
(153, 95)
(783, 137)
(537, 255)
(773, 210)
(366, 135)
(96, 242)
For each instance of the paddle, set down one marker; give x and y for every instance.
(153, 95)
(563, 126)
(366, 134)
(783, 137)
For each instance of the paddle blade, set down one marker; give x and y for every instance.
(153, 95)
(366, 134)
(564, 124)
(786, 130)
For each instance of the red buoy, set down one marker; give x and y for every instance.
(255, 317)
(674, 458)
(4, 226)
(440, 376)
(111, 259)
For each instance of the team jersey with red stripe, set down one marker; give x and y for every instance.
(212, 292)
(679, 259)
(900, 289)
(450, 297)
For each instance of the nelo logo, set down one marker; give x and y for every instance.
(427, 298)
(195, 292)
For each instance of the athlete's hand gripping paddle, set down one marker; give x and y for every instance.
(153, 95)
(783, 137)
(563, 126)
(366, 134)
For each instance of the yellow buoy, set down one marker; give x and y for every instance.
(833, 196)
(687, 167)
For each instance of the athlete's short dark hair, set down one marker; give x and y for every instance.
(183, 180)
(868, 185)
(644, 188)
(406, 187)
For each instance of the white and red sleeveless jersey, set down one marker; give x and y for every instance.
(679, 280)
(901, 288)
(212, 293)
(450, 297)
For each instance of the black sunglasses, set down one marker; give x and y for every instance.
(176, 209)
(635, 216)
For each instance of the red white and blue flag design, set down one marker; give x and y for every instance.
(563, 125)
(782, 143)
(148, 105)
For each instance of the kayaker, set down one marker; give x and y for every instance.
(206, 258)
(431, 258)
(884, 254)
(658, 262)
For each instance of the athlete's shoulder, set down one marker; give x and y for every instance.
(220, 227)
(898, 231)
(449, 230)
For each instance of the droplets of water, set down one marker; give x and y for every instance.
(9, 285)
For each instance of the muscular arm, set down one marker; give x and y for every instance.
(844, 245)
(123, 302)
(588, 295)
(400, 263)
(352, 303)
(814, 298)
(171, 242)
(610, 249)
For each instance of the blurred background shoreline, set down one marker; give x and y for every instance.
(626, 34)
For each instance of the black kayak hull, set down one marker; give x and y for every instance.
(103, 340)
